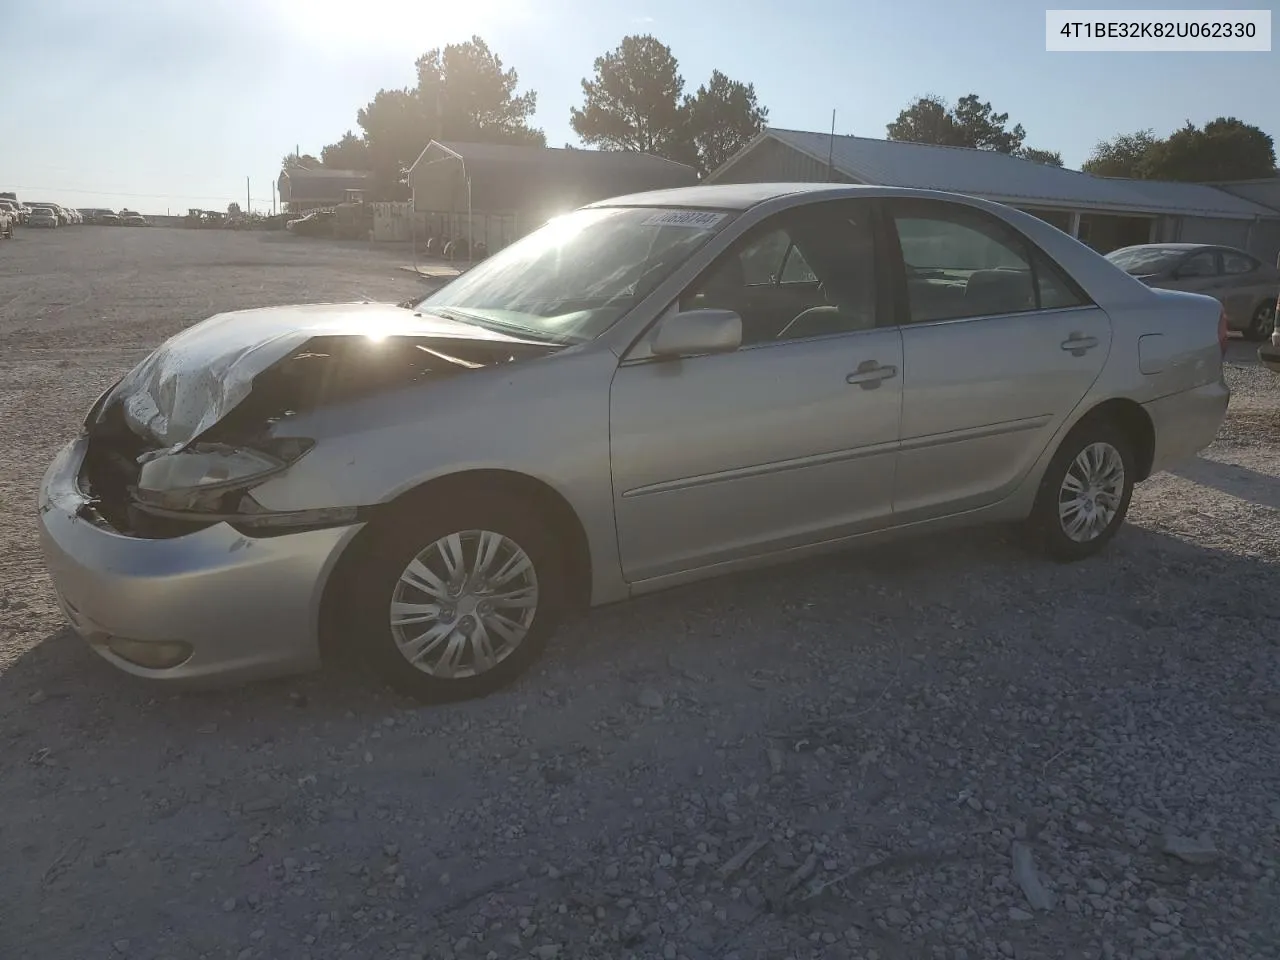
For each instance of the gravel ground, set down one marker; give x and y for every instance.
(944, 749)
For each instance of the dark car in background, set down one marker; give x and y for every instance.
(1246, 287)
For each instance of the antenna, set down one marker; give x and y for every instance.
(831, 149)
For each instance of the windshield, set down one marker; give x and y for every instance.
(577, 275)
(1142, 261)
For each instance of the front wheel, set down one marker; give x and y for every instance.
(459, 600)
(1085, 493)
(1262, 322)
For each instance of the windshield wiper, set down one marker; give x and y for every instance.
(461, 316)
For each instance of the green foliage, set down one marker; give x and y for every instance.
(1122, 156)
(293, 161)
(463, 93)
(970, 123)
(1225, 149)
(1048, 157)
(722, 118)
(349, 153)
(635, 101)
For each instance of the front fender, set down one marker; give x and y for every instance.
(547, 419)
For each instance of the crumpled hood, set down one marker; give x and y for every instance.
(196, 377)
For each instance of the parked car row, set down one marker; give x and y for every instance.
(15, 213)
(109, 218)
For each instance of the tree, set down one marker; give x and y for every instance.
(467, 95)
(1226, 149)
(233, 209)
(304, 161)
(1122, 156)
(1048, 157)
(349, 153)
(395, 131)
(971, 123)
(721, 118)
(633, 102)
(463, 93)
(981, 128)
(927, 120)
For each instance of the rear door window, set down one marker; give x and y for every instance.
(960, 262)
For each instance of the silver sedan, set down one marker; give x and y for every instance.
(645, 392)
(1245, 286)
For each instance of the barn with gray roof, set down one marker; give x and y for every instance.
(525, 185)
(1104, 212)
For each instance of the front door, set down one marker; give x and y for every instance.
(999, 346)
(788, 440)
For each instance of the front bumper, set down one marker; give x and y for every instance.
(1269, 356)
(246, 607)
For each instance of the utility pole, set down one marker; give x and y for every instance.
(248, 204)
(831, 149)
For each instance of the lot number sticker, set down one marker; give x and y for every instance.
(684, 218)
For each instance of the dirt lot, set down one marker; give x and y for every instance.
(836, 759)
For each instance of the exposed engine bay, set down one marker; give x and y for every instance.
(180, 441)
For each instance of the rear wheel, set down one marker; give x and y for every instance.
(1262, 322)
(1084, 496)
(458, 600)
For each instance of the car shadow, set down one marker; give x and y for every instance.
(1231, 479)
(914, 597)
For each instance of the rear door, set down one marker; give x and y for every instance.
(1199, 272)
(999, 346)
(1247, 285)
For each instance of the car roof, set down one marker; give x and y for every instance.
(743, 196)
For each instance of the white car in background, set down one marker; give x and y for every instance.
(43, 217)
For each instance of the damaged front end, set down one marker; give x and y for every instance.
(181, 441)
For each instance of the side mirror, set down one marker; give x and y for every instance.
(695, 332)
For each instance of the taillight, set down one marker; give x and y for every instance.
(1222, 331)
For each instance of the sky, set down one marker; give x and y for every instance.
(161, 105)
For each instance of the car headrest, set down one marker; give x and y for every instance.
(1000, 290)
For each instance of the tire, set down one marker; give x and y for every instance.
(1262, 322)
(1048, 525)
(421, 539)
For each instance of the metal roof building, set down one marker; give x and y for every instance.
(303, 188)
(1104, 212)
(527, 185)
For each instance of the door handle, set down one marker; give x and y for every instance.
(1078, 343)
(870, 373)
